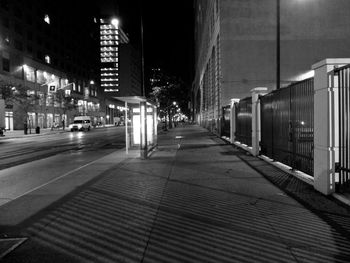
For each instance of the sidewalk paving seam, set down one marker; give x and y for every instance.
(158, 206)
(209, 221)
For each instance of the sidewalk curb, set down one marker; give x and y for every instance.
(30, 135)
(44, 133)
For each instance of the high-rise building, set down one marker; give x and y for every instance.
(236, 47)
(120, 65)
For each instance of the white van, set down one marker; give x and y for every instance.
(81, 123)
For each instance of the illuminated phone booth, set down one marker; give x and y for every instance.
(141, 130)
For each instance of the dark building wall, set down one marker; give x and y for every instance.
(130, 71)
(70, 39)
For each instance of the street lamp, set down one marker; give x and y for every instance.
(278, 45)
(115, 22)
(25, 68)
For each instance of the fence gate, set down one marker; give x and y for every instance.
(343, 167)
(225, 130)
(243, 118)
(287, 125)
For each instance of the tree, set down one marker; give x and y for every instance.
(67, 102)
(24, 99)
(167, 90)
(5, 90)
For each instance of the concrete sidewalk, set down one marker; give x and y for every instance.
(196, 199)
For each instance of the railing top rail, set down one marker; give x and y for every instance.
(336, 70)
(300, 82)
(289, 86)
(246, 98)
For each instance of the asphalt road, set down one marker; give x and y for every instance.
(27, 149)
(29, 163)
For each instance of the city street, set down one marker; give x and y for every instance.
(196, 199)
(27, 163)
(28, 148)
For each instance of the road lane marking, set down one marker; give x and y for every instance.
(53, 180)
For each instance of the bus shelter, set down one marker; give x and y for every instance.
(140, 125)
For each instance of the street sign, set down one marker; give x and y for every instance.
(52, 88)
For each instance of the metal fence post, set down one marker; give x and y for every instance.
(324, 122)
(256, 129)
(233, 120)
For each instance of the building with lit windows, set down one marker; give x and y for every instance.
(120, 66)
(46, 54)
(236, 43)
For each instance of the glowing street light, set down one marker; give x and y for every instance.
(115, 22)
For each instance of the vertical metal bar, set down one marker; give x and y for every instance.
(303, 110)
(340, 121)
(293, 123)
(126, 129)
(345, 146)
(311, 123)
(347, 123)
(298, 117)
(341, 129)
(273, 105)
(347, 174)
(346, 120)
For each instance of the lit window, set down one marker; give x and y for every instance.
(47, 59)
(29, 73)
(47, 19)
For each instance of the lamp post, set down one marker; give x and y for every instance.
(143, 92)
(143, 104)
(278, 45)
(27, 121)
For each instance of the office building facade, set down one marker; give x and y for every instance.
(236, 47)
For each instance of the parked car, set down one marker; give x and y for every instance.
(81, 123)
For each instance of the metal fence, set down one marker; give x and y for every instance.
(225, 129)
(287, 125)
(343, 167)
(243, 118)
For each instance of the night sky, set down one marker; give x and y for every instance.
(168, 34)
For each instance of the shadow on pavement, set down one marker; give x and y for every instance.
(189, 204)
